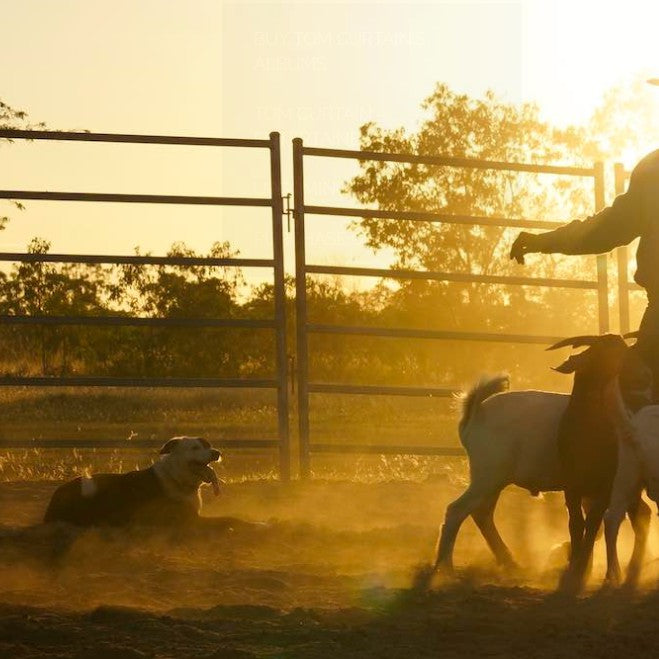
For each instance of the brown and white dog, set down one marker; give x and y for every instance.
(165, 494)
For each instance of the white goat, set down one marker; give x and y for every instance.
(638, 469)
(510, 438)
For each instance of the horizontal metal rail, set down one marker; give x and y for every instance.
(93, 381)
(449, 276)
(126, 443)
(62, 136)
(135, 198)
(384, 449)
(136, 260)
(412, 333)
(132, 321)
(358, 389)
(444, 218)
(468, 163)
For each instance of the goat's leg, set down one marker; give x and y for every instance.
(575, 524)
(586, 505)
(626, 498)
(583, 561)
(576, 528)
(639, 516)
(456, 513)
(484, 518)
(612, 520)
(627, 493)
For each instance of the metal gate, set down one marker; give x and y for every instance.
(276, 264)
(302, 269)
(304, 327)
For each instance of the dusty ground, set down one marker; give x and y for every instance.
(330, 575)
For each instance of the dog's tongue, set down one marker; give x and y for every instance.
(211, 477)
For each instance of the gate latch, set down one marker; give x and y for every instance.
(288, 211)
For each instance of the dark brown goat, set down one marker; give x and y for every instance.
(588, 445)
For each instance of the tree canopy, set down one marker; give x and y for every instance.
(10, 118)
(453, 125)
(488, 128)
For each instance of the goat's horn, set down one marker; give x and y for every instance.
(575, 342)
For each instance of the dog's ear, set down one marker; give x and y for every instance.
(204, 442)
(170, 446)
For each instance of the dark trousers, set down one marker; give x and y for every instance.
(636, 386)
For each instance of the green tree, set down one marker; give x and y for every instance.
(46, 289)
(10, 118)
(464, 127)
(624, 126)
(490, 129)
(180, 292)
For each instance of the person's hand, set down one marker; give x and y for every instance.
(524, 243)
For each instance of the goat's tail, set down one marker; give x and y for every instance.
(471, 400)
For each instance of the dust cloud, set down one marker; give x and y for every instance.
(329, 557)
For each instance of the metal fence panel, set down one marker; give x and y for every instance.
(302, 269)
(278, 323)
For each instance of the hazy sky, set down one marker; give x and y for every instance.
(316, 70)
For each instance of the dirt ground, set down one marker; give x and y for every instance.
(330, 574)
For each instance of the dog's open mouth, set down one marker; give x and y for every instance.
(204, 472)
(200, 465)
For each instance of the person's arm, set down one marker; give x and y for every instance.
(613, 226)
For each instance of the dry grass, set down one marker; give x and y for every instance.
(31, 465)
(96, 414)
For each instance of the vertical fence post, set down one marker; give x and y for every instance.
(602, 274)
(280, 310)
(301, 309)
(620, 176)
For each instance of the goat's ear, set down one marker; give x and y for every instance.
(631, 335)
(573, 363)
(169, 446)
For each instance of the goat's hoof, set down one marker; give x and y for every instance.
(444, 567)
(511, 567)
(630, 585)
(570, 584)
(613, 577)
(423, 577)
(610, 583)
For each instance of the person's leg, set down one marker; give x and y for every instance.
(637, 377)
(640, 387)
